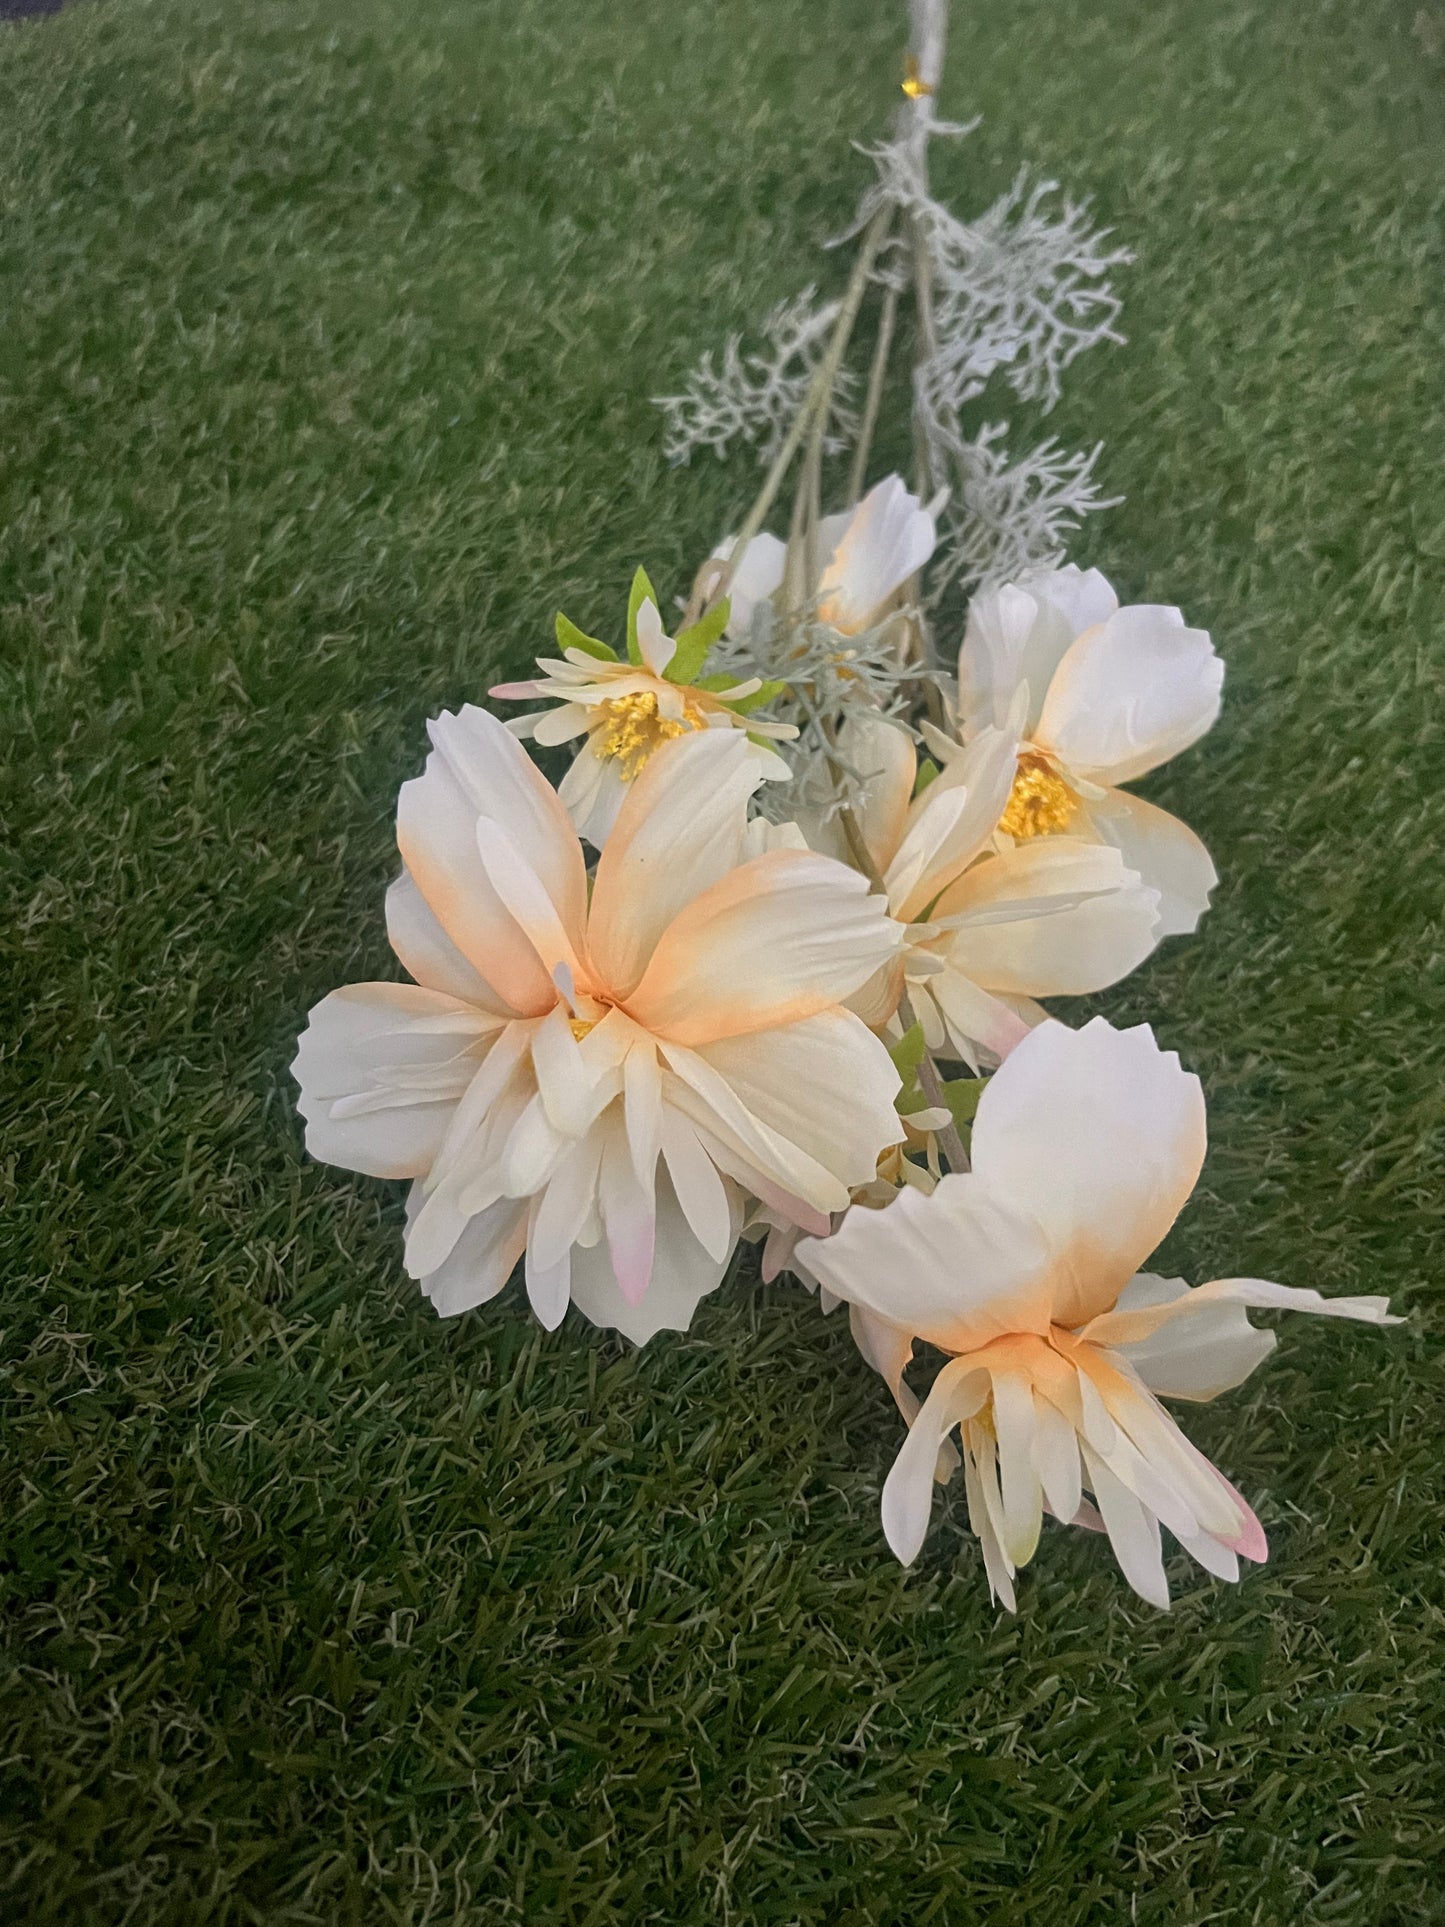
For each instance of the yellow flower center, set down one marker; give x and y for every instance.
(633, 730)
(1040, 802)
(579, 1026)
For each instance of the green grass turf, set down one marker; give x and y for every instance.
(328, 331)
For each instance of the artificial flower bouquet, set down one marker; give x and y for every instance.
(767, 965)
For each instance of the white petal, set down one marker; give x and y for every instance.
(683, 1273)
(950, 823)
(642, 1093)
(1133, 1532)
(1099, 1136)
(783, 937)
(889, 538)
(593, 793)
(548, 1286)
(563, 1080)
(680, 830)
(525, 895)
(478, 768)
(1166, 853)
(560, 725)
(757, 577)
(1137, 1318)
(957, 1268)
(1103, 926)
(975, 1024)
(701, 1193)
(1195, 1357)
(885, 765)
(1056, 1457)
(825, 1085)
(409, 1053)
(1022, 1494)
(567, 1202)
(481, 1261)
(958, 1392)
(1130, 694)
(657, 649)
(743, 1147)
(1017, 636)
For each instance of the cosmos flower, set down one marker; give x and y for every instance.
(627, 709)
(993, 923)
(867, 553)
(1025, 1271)
(1110, 694)
(599, 1081)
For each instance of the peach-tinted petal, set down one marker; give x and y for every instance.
(825, 1085)
(1166, 853)
(958, 1268)
(776, 941)
(428, 953)
(679, 830)
(1053, 916)
(1098, 1136)
(500, 780)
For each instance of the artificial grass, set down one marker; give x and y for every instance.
(323, 382)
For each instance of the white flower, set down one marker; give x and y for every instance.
(627, 709)
(1111, 694)
(600, 1082)
(866, 555)
(990, 930)
(1086, 1145)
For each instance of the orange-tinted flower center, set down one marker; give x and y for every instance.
(1040, 802)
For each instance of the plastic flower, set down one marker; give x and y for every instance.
(991, 929)
(628, 709)
(1111, 694)
(1086, 1145)
(867, 553)
(599, 1082)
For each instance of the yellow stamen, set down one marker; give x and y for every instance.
(579, 1026)
(1040, 802)
(914, 85)
(633, 730)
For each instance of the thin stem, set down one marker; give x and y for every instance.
(931, 1085)
(820, 391)
(881, 350)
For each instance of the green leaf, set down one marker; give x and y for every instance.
(764, 694)
(642, 591)
(961, 1095)
(694, 642)
(569, 636)
(927, 773)
(907, 1053)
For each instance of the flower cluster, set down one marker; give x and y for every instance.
(609, 1069)
(796, 995)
